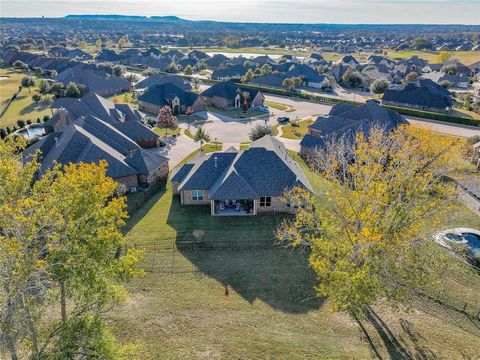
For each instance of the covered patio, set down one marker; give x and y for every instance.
(231, 207)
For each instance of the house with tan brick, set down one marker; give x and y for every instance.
(246, 182)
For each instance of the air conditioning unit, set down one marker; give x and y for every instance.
(133, 189)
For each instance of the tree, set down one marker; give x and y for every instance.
(368, 234)
(450, 69)
(412, 76)
(352, 78)
(201, 136)
(172, 68)
(249, 75)
(188, 70)
(443, 56)
(36, 98)
(21, 123)
(259, 131)
(288, 84)
(28, 81)
(3, 133)
(266, 69)
(379, 86)
(118, 70)
(56, 88)
(166, 119)
(56, 248)
(20, 65)
(72, 90)
(132, 78)
(43, 87)
(98, 44)
(83, 44)
(196, 83)
(258, 72)
(122, 42)
(245, 97)
(422, 44)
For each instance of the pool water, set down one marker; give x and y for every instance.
(473, 242)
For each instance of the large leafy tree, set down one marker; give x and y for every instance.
(58, 242)
(368, 232)
(166, 119)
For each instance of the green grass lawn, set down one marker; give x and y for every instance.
(23, 107)
(296, 132)
(166, 131)
(279, 106)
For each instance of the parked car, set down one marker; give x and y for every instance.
(283, 120)
(376, 101)
(263, 108)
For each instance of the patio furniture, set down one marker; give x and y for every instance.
(237, 207)
(222, 206)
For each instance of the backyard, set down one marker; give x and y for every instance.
(253, 300)
(23, 107)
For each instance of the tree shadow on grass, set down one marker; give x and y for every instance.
(406, 344)
(32, 107)
(239, 252)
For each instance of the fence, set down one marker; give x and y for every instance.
(136, 200)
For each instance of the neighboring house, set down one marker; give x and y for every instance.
(245, 182)
(90, 140)
(270, 80)
(228, 95)
(107, 55)
(170, 95)
(163, 79)
(93, 82)
(423, 94)
(95, 105)
(229, 72)
(372, 73)
(345, 120)
(348, 60)
(380, 60)
(310, 77)
(432, 68)
(198, 55)
(459, 81)
(79, 54)
(216, 61)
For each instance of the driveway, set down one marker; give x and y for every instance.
(177, 148)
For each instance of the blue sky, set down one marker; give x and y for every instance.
(299, 11)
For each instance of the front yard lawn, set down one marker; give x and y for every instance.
(296, 132)
(166, 131)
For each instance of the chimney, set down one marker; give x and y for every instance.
(215, 158)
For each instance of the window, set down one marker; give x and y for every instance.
(197, 195)
(265, 201)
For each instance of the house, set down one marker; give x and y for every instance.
(348, 60)
(229, 72)
(107, 55)
(228, 95)
(170, 95)
(216, 61)
(247, 182)
(93, 82)
(459, 81)
(79, 54)
(372, 73)
(344, 121)
(310, 77)
(91, 140)
(198, 55)
(269, 80)
(163, 79)
(424, 94)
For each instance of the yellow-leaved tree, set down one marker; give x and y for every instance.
(59, 242)
(368, 233)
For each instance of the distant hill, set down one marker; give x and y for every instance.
(106, 17)
(126, 17)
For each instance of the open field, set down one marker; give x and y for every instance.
(466, 57)
(257, 304)
(23, 107)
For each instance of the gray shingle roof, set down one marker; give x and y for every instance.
(162, 95)
(265, 169)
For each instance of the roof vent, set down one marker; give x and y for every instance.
(215, 158)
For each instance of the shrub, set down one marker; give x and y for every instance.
(21, 123)
(37, 97)
(260, 131)
(379, 86)
(72, 90)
